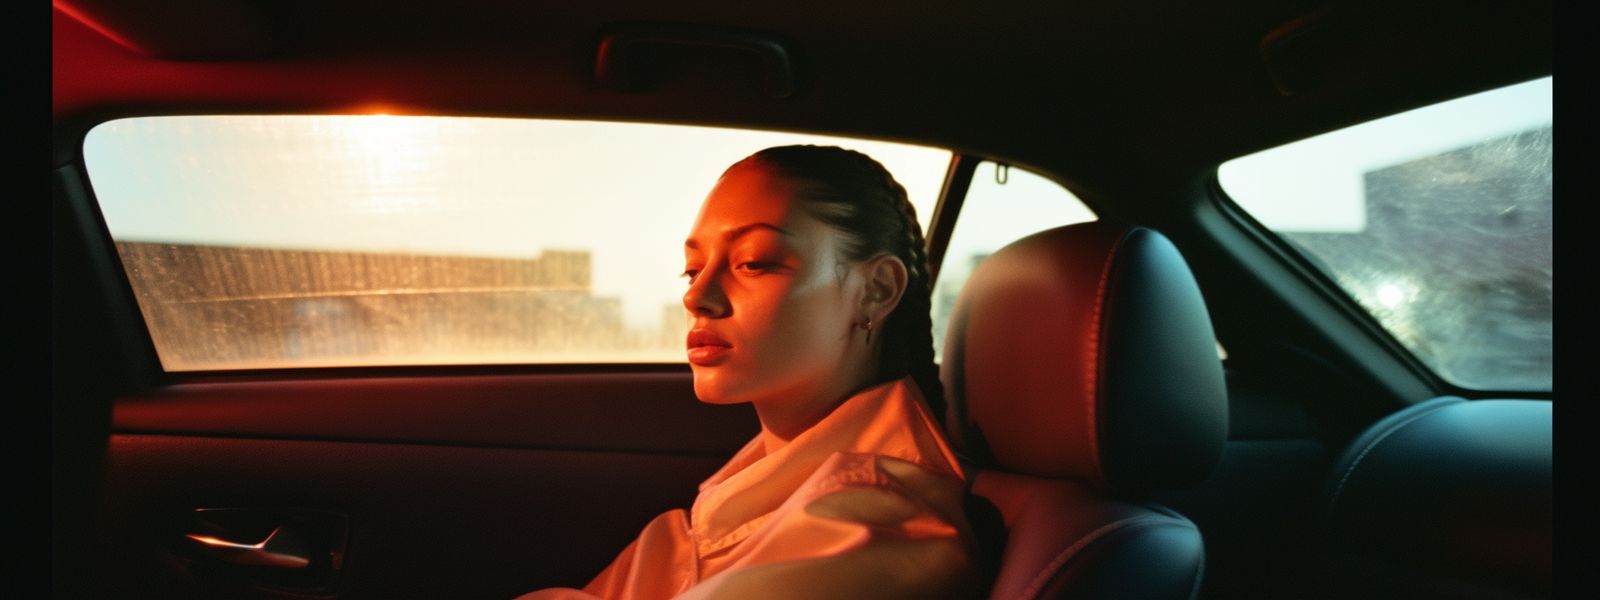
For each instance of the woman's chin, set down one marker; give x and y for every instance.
(709, 389)
(712, 388)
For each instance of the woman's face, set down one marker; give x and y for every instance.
(772, 306)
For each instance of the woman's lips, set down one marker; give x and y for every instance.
(707, 356)
(707, 348)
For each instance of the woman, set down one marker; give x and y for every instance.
(809, 294)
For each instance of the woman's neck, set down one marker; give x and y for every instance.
(781, 422)
(787, 415)
(783, 419)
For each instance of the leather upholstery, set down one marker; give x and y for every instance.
(1085, 352)
(1067, 541)
(1082, 373)
(1447, 498)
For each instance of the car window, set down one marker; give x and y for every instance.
(1003, 204)
(1436, 220)
(300, 241)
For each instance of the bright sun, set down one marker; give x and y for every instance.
(399, 154)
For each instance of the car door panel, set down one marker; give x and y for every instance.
(470, 486)
(646, 412)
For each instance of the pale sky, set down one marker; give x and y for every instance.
(1315, 185)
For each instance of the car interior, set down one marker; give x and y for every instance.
(1177, 398)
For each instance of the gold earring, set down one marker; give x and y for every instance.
(868, 326)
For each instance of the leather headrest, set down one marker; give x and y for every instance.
(1085, 352)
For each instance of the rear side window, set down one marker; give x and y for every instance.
(1003, 204)
(1437, 221)
(301, 241)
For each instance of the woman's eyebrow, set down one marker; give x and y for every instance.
(734, 233)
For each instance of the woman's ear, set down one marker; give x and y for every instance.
(886, 283)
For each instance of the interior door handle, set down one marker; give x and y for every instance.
(283, 548)
(279, 551)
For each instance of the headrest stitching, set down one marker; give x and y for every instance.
(1338, 490)
(1093, 377)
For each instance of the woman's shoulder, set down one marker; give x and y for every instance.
(892, 420)
(881, 490)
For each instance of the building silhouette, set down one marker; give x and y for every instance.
(219, 307)
(1455, 258)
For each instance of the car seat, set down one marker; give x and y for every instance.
(1448, 498)
(1082, 374)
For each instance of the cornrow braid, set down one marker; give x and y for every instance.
(858, 197)
(914, 314)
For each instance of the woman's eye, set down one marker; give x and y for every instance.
(754, 267)
(691, 274)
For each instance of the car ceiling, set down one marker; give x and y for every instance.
(1089, 92)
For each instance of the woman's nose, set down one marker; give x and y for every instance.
(705, 297)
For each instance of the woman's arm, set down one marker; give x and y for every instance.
(928, 568)
(886, 529)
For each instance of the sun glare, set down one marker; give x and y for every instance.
(382, 135)
(398, 152)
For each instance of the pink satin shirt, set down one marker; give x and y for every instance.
(866, 503)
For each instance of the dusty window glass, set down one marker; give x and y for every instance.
(1002, 205)
(298, 241)
(1437, 221)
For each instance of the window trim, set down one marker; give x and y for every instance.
(952, 197)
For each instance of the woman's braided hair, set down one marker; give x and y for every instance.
(856, 196)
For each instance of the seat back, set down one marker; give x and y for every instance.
(1082, 374)
(1449, 498)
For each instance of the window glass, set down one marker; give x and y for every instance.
(1437, 221)
(295, 241)
(1002, 205)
